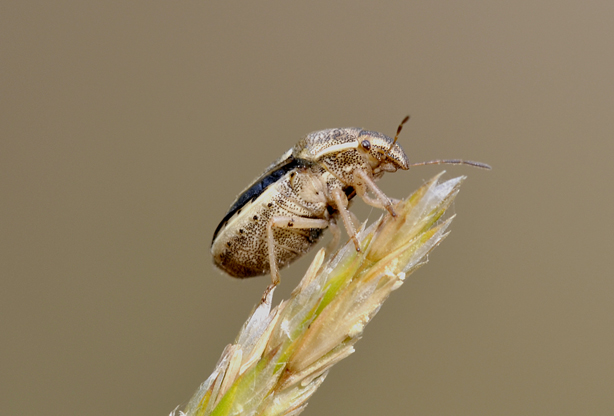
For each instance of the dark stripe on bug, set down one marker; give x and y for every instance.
(255, 191)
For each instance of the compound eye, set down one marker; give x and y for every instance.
(366, 144)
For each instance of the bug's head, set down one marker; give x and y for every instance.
(382, 152)
(343, 150)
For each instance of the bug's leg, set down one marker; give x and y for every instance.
(272, 258)
(355, 220)
(380, 200)
(341, 202)
(334, 242)
(286, 222)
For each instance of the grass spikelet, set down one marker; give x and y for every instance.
(282, 354)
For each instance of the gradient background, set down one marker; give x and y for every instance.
(127, 129)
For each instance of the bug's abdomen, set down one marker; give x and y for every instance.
(242, 263)
(240, 247)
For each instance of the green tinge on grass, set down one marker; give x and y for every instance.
(282, 355)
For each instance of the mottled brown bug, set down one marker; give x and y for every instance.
(284, 212)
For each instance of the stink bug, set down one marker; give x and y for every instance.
(284, 212)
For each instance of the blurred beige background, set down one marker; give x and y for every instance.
(127, 129)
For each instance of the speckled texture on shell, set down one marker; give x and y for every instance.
(338, 150)
(240, 248)
(319, 163)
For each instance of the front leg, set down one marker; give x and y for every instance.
(367, 183)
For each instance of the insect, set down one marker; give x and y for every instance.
(284, 212)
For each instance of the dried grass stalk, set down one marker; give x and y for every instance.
(282, 355)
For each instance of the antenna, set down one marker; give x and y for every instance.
(453, 162)
(479, 165)
(396, 136)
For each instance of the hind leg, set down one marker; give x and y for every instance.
(287, 223)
